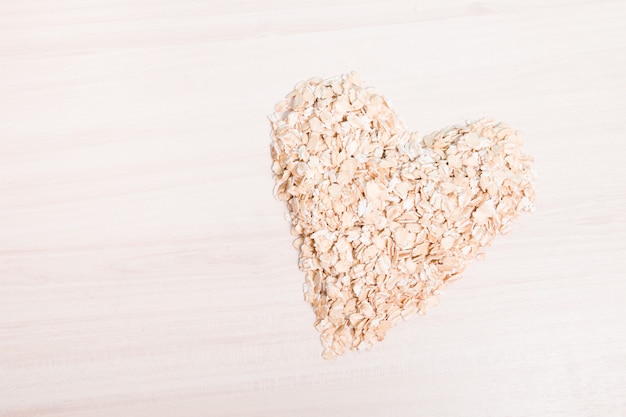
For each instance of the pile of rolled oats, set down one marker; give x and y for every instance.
(384, 217)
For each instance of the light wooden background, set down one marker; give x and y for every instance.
(146, 270)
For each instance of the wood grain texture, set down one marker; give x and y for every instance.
(145, 268)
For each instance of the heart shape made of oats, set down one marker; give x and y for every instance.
(385, 218)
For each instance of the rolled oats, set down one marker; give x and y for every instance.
(384, 218)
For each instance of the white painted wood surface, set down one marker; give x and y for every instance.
(146, 270)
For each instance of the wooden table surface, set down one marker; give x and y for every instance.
(146, 270)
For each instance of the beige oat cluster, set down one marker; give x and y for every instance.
(385, 218)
